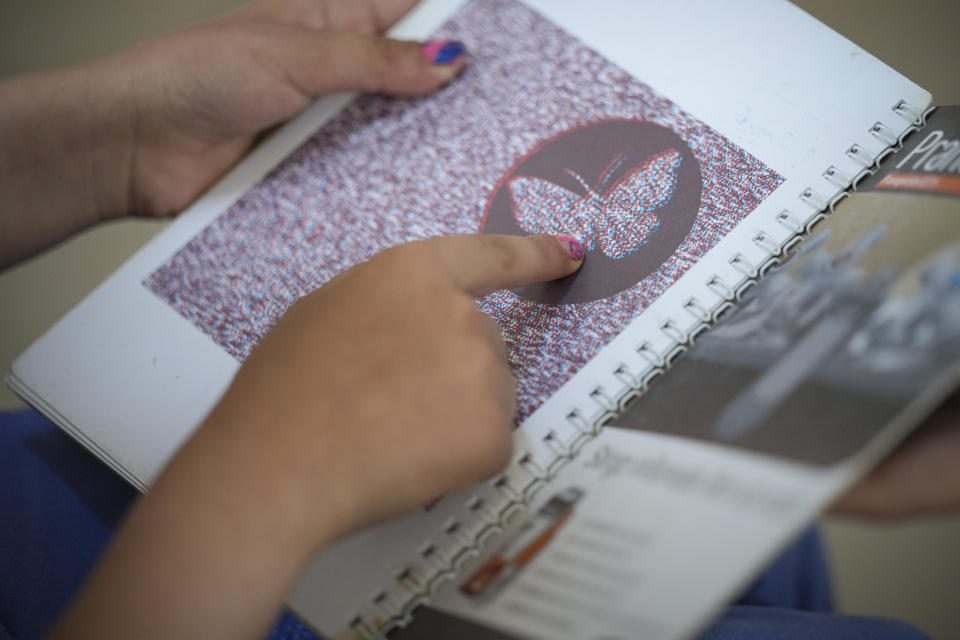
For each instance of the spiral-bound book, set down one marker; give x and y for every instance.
(690, 146)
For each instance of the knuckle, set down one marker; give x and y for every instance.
(397, 57)
(404, 57)
(548, 249)
(472, 360)
(379, 63)
(488, 326)
(484, 363)
(501, 254)
(464, 316)
(402, 49)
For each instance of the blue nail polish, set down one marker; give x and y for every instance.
(443, 51)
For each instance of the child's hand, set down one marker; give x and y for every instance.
(387, 387)
(373, 395)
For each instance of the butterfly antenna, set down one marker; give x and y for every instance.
(609, 170)
(582, 182)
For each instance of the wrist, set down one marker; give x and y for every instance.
(66, 137)
(110, 114)
(301, 499)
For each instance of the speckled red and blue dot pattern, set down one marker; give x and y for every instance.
(390, 170)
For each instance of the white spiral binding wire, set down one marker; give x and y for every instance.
(494, 505)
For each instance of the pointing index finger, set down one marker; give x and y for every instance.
(482, 264)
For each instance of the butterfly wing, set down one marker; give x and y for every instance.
(629, 206)
(541, 206)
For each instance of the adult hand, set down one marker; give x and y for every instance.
(147, 130)
(920, 478)
(202, 95)
(371, 396)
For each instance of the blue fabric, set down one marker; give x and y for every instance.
(59, 507)
(799, 579)
(793, 600)
(768, 623)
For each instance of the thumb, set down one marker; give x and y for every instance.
(327, 61)
(481, 264)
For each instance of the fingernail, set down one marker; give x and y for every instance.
(573, 247)
(443, 52)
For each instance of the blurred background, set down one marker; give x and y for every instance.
(909, 571)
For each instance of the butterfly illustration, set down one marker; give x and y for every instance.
(618, 218)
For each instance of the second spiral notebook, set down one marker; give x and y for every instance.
(687, 146)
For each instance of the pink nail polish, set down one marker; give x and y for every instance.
(443, 52)
(573, 247)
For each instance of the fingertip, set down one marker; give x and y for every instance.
(556, 256)
(573, 247)
(341, 60)
(443, 74)
(560, 256)
(414, 68)
(565, 254)
(446, 58)
(443, 52)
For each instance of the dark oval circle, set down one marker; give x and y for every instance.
(587, 150)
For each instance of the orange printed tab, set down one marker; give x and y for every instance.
(921, 182)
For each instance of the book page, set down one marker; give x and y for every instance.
(615, 545)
